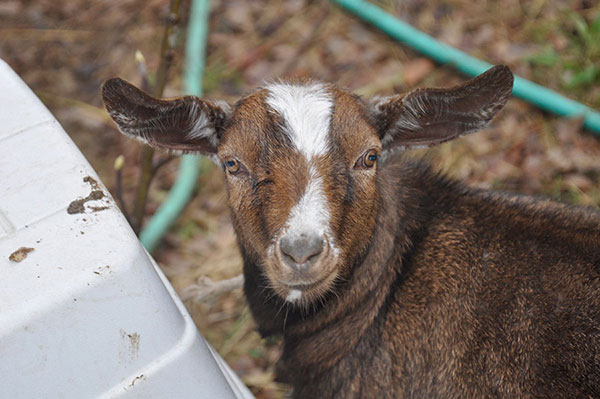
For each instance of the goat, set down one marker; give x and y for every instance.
(386, 279)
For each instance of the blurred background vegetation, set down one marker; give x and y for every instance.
(65, 49)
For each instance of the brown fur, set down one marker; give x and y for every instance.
(462, 294)
(438, 290)
(268, 154)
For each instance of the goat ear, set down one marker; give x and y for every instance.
(426, 117)
(186, 124)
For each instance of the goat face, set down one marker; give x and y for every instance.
(300, 160)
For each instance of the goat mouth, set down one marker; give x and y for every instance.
(297, 293)
(302, 286)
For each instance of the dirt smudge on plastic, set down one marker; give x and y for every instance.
(78, 205)
(20, 254)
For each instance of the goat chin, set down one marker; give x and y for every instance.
(302, 284)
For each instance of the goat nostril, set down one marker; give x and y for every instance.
(304, 249)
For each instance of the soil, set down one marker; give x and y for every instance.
(65, 49)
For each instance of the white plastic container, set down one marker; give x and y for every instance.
(86, 312)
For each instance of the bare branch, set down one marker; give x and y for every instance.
(208, 291)
(147, 162)
(118, 166)
(142, 70)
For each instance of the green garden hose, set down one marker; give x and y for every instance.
(190, 165)
(544, 98)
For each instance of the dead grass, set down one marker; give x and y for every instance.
(64, 49)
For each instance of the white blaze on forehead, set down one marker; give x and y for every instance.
(306, 110)
(310, 215)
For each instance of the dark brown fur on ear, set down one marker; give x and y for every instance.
(432, 116)
(181, 124)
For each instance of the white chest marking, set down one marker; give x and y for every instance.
(306, 110)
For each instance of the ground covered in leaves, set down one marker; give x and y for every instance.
(65, 49)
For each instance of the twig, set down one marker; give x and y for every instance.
(208, 291)
(147, 163)
(141, 195)
(143, 70)
(166, 49)
(118, 166)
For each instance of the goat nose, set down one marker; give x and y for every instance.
(301, 252)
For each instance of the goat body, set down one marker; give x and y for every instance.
(385, 279)
(462, 293)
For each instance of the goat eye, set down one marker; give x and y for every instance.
(232, 166)
(367, 160)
